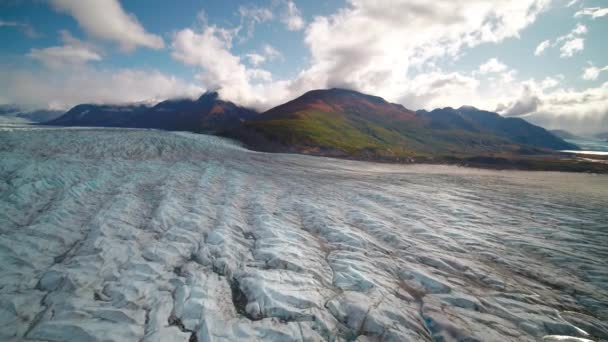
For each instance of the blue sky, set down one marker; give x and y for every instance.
(59, 53)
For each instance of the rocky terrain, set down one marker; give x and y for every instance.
(143, 235)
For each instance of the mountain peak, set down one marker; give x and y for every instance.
(467, 107)
(209, 96)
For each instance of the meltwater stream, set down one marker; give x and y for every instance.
(141, 235)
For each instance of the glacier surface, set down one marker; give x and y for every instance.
(142, 235)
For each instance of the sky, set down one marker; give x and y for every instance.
(544, 60)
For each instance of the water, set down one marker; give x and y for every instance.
(146, 235)
(590, 146)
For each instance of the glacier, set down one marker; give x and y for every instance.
(145, 235)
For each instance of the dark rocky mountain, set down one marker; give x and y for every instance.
(341, 122)
(206, 114)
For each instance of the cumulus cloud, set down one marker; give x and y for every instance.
(582, 112)
(74, 52)
(220, 69)
(540, 49)
(255, 59)
(106, 19)
(552, 106)
(268, 53)
(591, 73)
(439, 89)
(62, 90)
(593, 12)
(493, 65)
(571, 47)
(573, 42)
(379, 59)
(376, 60)
(292, 17)
(527, 102)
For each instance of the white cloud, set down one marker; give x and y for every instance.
(255, 59)
(257, 14)
(209, 50)
(576, 32)
(376, 60)
(292, 18)
(259, 74)
(572, 3)
(26, 28)
(493, 65)
(552, 106)
(573, 41)
(438, 89)
(591, 73)
(63, 89)
(540, 49)
(74, 52)
(106, 19)
(60, 56)
(271, 53)
(550, 82)
(250, 16)
(593, 12)
(582, 112)
(571, 47)
(399, 35)
(526, 103)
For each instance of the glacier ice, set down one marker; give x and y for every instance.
(143, 235)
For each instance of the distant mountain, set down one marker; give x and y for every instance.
(40, 115)
(602, 136)
(515, 130)
(206, 114)
(340, 122)
(563, 134)
(100, 115)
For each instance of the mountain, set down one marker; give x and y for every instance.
(40, 115)
(563, 134)
(602, 136)
(341, 122)
(100, 115)
(206, 114)
(514, 129)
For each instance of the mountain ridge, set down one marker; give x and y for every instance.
(336, 122)
(206, 114)
(341, 122)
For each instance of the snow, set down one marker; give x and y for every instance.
(129, 235)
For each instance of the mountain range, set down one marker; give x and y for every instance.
(40, 115)
(207, 114)
(334, 122)
(341, 122)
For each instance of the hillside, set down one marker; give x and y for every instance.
(206, 114)
(340, 122)
(563, 134)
